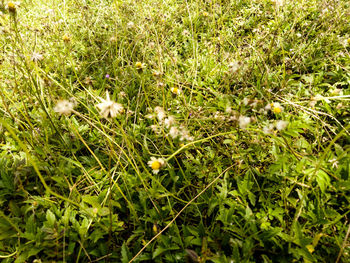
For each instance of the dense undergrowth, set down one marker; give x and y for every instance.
(175, 131)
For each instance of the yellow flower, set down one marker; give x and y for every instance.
(11, 6)
(66, 38)
(205, 14)
(175, 90)
(276, 107)
(277, 110)
(155, 228)
(156, 164)
(156, 73)
(139, 65)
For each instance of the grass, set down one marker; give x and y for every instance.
(174, 131)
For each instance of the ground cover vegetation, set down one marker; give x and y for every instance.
(174, 131)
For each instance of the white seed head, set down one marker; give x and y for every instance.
(169, 122)
(244, 122)
(109, 108)
(281, 125)
(174, 132)
(64, 107)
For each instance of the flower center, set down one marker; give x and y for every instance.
(155, 165)
(277, 110)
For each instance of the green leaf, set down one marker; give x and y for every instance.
(323, 180)
(51, 218)
(159, 250)
(125, 253)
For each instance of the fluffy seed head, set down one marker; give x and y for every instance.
(64, 107)
(244, 122)
(109, 108)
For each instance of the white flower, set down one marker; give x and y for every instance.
(334, 163)
(37, 57)
(156, 164)
(155, 129)
(275, 107)
(186, 33)
(64, 107)
(243, 122)
(169, 122)
(109, 108)
(174, 132)
(281, 125)
(175, 90)
(228, 110)
(130, 25)
(268, 106)
(160, 113)
(219, 116)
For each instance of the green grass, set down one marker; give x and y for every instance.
(225, 137)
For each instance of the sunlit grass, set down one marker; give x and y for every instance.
(199, 131)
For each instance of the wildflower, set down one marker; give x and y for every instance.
(109, 108)
(151, 45)
(219, 116)
(334, 163)
(140, 66)
(281, 125)
(156, 164)
(268, 129)
(186, 33)
(243, 122)
(156, 129)
(156, 73)
(233, 67)
(228, 110)
(268, 106)
(11, 7)
(160, 113)
(276, 107)
(169, 122)
(160, 84)
(205, 14)
(107, 76)
(130, 25)
(175, 90)
(37, 57)
(64, 107)
(66, 38)
(174, 132)
(185, 135)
